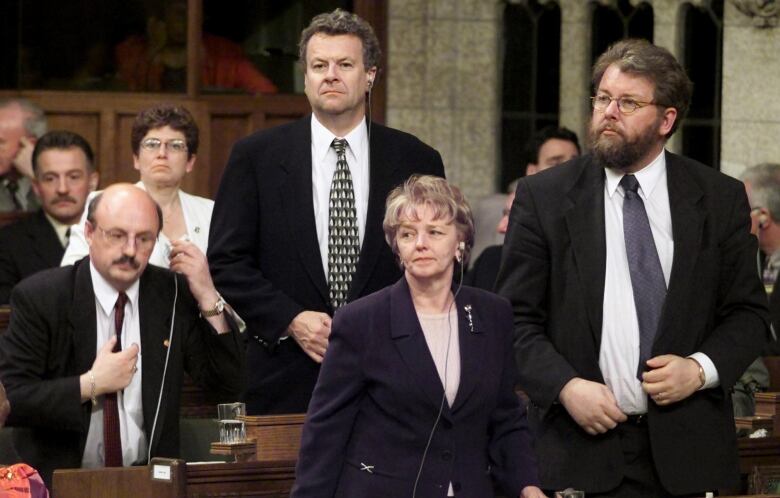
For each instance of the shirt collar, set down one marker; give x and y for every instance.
(647, 177)
(106, 295)
(322, 137)
(60, 229)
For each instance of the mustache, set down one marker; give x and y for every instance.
(125, 259)
(66, 198)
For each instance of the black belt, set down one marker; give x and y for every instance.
(637, 420)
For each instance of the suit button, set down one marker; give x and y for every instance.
(456, 486)
(446, 456)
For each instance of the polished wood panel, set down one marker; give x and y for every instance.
(256, 479)
(278, 436)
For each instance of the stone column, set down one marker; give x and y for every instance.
(751, 94)
(574, 107)
(443, 83)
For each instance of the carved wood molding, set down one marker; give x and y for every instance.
(764, 13)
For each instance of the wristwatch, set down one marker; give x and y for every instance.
(218, 308)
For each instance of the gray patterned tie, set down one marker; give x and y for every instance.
(647, 276)
(343, 240)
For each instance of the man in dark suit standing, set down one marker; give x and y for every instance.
(637, 305)
(297, 225)
(95, 352)
(64, 168)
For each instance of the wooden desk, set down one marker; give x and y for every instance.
(247, 479)
(759, 451)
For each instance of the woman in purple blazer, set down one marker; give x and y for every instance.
(415, 397)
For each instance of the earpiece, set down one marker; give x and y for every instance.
(461, 246)
(370, 83)
(762, 221)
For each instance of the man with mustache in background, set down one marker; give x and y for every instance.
(64, 168)
(632, 276)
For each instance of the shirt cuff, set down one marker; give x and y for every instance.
(711, 378)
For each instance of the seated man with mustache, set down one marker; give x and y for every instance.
(65, 174)
(94, 356)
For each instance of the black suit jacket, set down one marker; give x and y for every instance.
(26, 247)
(379, 394)
(553, 272)
(52, 339)
(263, 250)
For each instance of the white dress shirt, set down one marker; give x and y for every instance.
(323, 165)
(129, 401)
(619, 354)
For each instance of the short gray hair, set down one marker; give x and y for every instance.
(341, 22)
(35, 118)
(764, 180)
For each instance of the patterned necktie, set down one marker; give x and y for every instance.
(112, 441)
(343, 240)
(647, 277)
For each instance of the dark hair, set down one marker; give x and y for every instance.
(61, 139)
(642, 58)
(93, 205)
(341, 22)
(534, 144)
(177, 117)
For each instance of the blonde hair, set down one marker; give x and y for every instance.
(446, 200)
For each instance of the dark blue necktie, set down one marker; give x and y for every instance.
(647, 276)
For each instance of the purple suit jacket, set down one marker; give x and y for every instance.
(378, 396)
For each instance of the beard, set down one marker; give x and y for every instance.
(618, 152)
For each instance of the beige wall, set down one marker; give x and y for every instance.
(443, 83)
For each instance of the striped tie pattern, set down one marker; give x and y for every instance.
(343, 240)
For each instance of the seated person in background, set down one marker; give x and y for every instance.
(164, 139)
(547, 148)
(94, 355)
(416, 392)
(21, 124)
(158, 61)
(65, 174)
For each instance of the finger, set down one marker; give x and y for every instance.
(615, 414)
(653, 388)
(661, 360)
(600, 429)
(108, 346)
(132, 351)
(656, 375)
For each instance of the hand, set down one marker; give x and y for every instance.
(5, 406)
(592, 405)
(187, 259)
(114, 371)
(672, 378)
(532, 492)
(23, 160)
(311, 330)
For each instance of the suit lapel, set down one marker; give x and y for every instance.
(407, 335)
(585, 223)
(381, 174)
(298, 205)
(687, 225)
(44, 241)
(471, 334)
(154, 320)
(83, 319)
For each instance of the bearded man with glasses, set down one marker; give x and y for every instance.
(631, 271)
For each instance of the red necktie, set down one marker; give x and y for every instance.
(112, 440)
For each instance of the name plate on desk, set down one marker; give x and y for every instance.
(161, 472)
